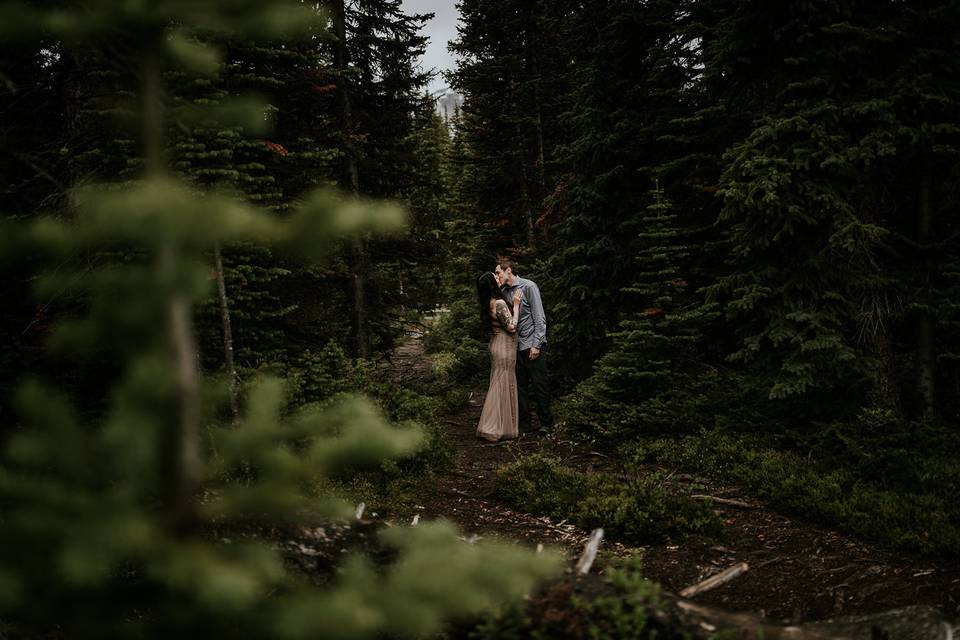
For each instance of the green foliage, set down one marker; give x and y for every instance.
(637, 509)
(464, 579)
(454, 341)
(512, 74)
(108, 513)
(318, 376)
(624, 608)
(918, 515)
(801, 290)
(650, 379)
(631, 76)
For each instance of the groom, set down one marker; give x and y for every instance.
(531, 348)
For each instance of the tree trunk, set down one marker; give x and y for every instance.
(876, 313)
(228, 363)
(359, 260)
(884, 392)
(541, 176)
(181, 461)
(925, 351)
(525, 202)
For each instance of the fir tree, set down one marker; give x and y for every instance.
(629, 78)
(511, 72)
(654, 363)
(818, 264)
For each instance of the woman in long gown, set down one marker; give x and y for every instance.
(498, 421)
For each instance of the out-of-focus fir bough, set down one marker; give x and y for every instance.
(106, 513)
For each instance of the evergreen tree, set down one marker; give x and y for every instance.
(420, 259)
(645, 382)
(817, 271)
(632, 66)
(376, 89)
(511, 71)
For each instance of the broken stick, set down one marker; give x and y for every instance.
(726, 501)
(715, 580)
(589, 552)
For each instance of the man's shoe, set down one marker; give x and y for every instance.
(542, 431)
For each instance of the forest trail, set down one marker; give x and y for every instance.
(798, 571)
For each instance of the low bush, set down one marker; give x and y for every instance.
(685, 406)
(459, 349)
(923, 519)
(621, 607)
(636, 510)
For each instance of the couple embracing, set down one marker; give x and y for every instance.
(512, 314)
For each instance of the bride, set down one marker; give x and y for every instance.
(498, 421)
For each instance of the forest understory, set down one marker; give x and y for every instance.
(799, 573)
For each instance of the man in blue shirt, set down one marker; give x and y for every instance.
(532, 378)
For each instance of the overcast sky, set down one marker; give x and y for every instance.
(441, 29)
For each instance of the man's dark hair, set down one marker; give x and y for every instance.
(506, 262)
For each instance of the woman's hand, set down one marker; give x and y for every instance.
(517, 297)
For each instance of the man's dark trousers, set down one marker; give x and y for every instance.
(532, 380)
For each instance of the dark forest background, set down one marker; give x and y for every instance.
(744, 218)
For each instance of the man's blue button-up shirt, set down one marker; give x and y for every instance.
(532, 327)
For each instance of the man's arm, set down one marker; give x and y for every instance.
(537, 315)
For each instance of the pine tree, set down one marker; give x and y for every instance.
(645, 382)
(511, 72)
(377, 88)
(818, 262)
(631, 66)
(420, 260)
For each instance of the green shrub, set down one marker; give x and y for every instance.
(685, 405)
(454, 398)
(622, 609)
(893, 453)
(436, 455)
(636, 510)
(443, 363)
(919, 520)
(460, 321)
(461, 350)
(542, 485)
(320, 375)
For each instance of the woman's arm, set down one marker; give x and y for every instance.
(507, 321)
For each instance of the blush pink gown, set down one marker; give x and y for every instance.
(498, 421)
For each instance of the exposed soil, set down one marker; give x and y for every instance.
(798, 571)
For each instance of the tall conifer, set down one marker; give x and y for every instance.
(656, 353)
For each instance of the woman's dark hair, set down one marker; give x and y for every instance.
(488, 289)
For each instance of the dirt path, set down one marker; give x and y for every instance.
(798, 571)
